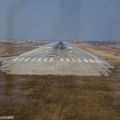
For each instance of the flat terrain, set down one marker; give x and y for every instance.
(63, 97)
(57, 58)
(14, 49)
(108, 51)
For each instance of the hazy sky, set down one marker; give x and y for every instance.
(60, 19)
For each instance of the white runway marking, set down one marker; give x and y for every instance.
(33, 59)
(88, 53)
(91, 60)
(45, 59)
(51, 59)
(79, 60)
(39, 59)
(97, 60)
(27, 59)
(15, 59)
(21, 59)
(73, 60)
(85, 60)
(67, 59)
(61, 59)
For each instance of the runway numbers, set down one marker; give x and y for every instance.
(47, 59)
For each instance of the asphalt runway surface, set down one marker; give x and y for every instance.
(58, 58)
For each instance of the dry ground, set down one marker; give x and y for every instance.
(62, 97)
(108, 51)
(15, 49)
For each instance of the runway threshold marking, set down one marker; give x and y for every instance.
(39, 59)
(85, 60)
(45, 59)
(33, 59)
(73, 60)
(67, 59)
(91, 60)
(21, 59)
(15, 59)
(27, 59)
(51, 59)
(61, 59)
(97, 60)
(79, 60)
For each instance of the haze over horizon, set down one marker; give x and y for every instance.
(91, 20)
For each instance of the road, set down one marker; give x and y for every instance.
(57, 58)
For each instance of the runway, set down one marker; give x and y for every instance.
(57, 58)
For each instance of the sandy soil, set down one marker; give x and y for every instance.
(15, 49)
(109, 51)
(60, 98)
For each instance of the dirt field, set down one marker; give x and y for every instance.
(108, 51)
(15, 49)
(64, 97)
